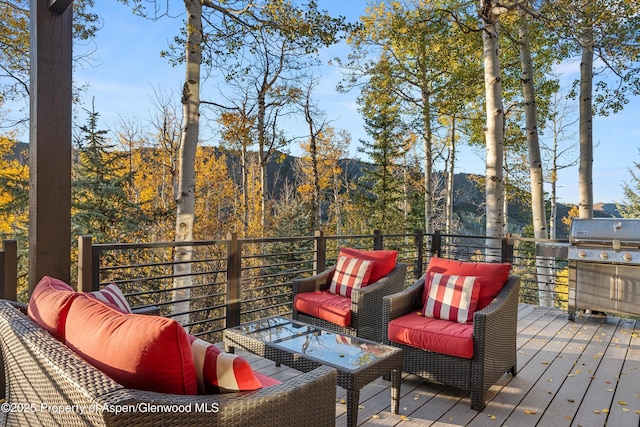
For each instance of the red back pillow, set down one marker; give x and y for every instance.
(49, 305)
(383, 261)
(138, 351)
(492, 276)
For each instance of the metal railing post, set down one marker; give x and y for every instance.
(378, 241)
(234, 280)
(320, 252)
(419, 242)
(9, 270)
(436, 243)
(507, 249)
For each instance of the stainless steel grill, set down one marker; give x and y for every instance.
(604, 265)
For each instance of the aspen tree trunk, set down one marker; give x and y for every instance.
(185, 198)
(546, 279)
(585, 170)
(450, 178)
(429, 213)
(494, 135)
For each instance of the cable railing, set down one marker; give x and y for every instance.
(225, 282)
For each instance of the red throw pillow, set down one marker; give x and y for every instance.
(351, 273)
(451, 297)
(492, 276)
(112, 295)
(49, 305)
(138, 351)
(383, 261)
(220, 372)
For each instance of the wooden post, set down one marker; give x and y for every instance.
(234, 281)
(9, 270)
(50, 141)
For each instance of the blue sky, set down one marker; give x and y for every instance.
(128, 69)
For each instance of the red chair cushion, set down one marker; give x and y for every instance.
(428, 333)
(383, 261)
(492, 276)
(49, 305)
(451, 297)
(138, 351)
(324, 305)
(350, 273)
(220, 372)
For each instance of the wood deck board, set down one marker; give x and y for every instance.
(566, 371)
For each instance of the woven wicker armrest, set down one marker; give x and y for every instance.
(507, 299)
(404, 302)
(319, 282)
(278, 405)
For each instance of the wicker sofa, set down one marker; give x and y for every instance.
(494, 342)
(48, 384)
(366, 302)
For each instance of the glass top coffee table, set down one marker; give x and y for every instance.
(305, 347)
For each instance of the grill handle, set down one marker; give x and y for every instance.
(612, 288)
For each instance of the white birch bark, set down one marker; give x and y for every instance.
(545, 275)
(585, 169)
(494, 134)
(185, 198)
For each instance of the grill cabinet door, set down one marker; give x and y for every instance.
(596, 286)
(628, 279)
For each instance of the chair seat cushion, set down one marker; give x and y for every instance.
(427, 333)
(324, 305)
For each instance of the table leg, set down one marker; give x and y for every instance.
(353, 400)
(396, 378)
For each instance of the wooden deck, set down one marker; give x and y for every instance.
(583, 373)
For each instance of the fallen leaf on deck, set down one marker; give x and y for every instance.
(621, 402)
(375, 417)
(595, 411)
(530, 412)
(360, 406)
(404, 418)
(343, 401)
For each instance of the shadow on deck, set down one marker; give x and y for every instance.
(582, 373)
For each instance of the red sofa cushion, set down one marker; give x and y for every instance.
(428, 333)
(451, 297)
(324, 305)
(49, 305)
(383, 261)
(492, 276)
(220, 372)
(138, 351)
(350, 273)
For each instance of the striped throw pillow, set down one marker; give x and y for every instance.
(112, 295)
(350, 274)
(220, 372)
(451, 297)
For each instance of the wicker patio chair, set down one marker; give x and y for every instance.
(366, 303)
(494, 343)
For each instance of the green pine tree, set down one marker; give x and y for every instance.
(382, 179)
(101, 205)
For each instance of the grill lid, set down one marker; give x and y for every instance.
(605, 230)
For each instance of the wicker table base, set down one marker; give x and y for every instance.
(305, 347)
